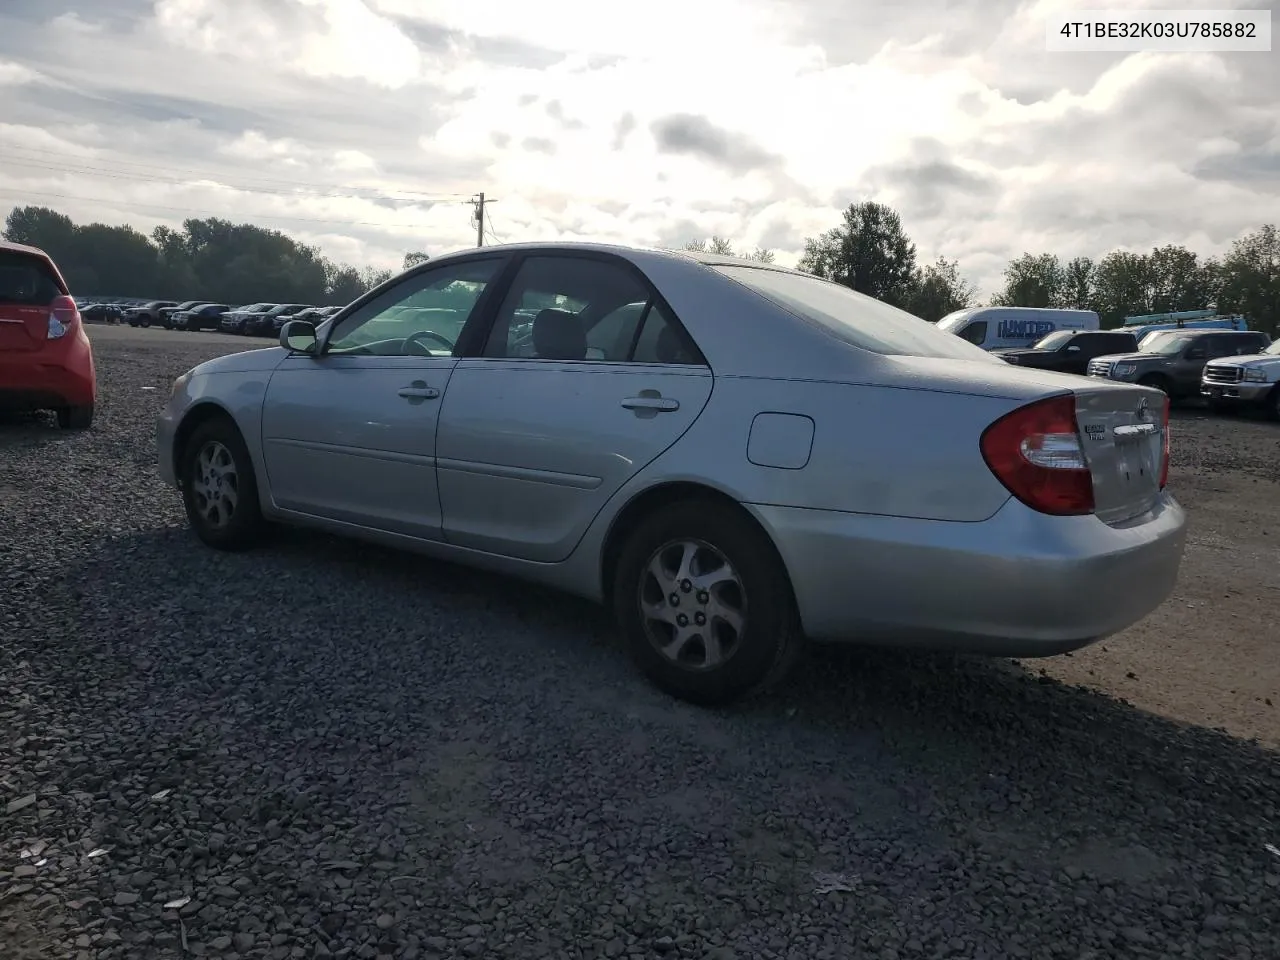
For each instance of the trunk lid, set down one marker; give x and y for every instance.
(28, 287)
(1122, 431)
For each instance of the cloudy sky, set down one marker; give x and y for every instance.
(363, 125)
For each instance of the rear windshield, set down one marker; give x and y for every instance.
(854, 317)
(26, 280)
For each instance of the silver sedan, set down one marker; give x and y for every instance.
(732, 456)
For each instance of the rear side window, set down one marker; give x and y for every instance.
(854, 317)
(26, 280)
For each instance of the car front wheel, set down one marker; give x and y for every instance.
(219, 489)
(705, 603)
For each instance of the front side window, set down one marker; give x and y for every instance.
(421, 316)
(856, 318)
(975, 333)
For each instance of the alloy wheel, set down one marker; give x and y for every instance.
(693, 604)
(215, 484)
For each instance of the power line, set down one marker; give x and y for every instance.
(220, 213)
(155, 178)
(47, 156)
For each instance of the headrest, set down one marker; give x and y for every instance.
(668, 346)
(558, 335)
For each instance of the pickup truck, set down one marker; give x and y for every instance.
(1069, 351)
(1247, 381)
(1173, 360)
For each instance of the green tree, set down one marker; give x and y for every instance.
(213, 258)
(41, 227)
(938, 290)
(1078, 286)
(1177, 280)
(1250, 279)
(869, 251)
(414, 258)
(724, 248)
(1122, 287)
(1033, 280)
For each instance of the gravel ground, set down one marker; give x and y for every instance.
(323, 749)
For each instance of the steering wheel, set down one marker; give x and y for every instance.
(418, 337)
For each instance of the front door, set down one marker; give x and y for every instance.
(537, 435)
(349, 433)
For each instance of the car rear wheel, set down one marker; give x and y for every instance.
(219, 489)
(75, 418)
(705, 603)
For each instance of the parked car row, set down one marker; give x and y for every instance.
(254, 319)
(1230, 369)
(266, 319)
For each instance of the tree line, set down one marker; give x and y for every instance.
(210, 259)
(868, 250)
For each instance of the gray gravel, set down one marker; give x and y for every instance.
(323, 749)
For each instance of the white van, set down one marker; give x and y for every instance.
(994, 328)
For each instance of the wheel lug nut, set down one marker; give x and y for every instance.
(686, 586)
(682, 620)
(699, 618)
(674, 599)
(703, 596)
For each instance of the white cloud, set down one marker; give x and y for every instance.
(754, 119)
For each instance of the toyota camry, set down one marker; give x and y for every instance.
(733, 456)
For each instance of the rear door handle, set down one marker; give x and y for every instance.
(657, 404)
(419, 391)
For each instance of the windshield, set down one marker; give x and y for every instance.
(1165, 346)
(1054, 340)
(952, 320)
(854, 317)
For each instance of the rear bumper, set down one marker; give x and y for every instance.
(49, 378)
(1019, 584)
(1242, 393)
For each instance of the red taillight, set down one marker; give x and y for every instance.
(1164, 459)
(1036, 452)
(63, 316)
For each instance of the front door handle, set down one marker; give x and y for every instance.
(418, 390)
(651, 401)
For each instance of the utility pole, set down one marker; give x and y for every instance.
(479, 204)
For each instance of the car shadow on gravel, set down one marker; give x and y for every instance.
(957, 708)
(23, 429)
(486, 720)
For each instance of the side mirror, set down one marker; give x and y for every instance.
(299, 336)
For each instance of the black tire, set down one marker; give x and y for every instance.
(760, 654)
(1272, 403)
(229, 526)
(1161, 383)
(144, 322)
(75, 418)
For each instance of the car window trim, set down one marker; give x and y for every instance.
(330, 324)
(655, 298)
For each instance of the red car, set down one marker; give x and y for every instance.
(46, 362)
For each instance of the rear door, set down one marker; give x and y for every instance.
(1123, 434)
(28, 286)
(537, 434)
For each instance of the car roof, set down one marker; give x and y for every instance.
(635, 253)
(23, 248)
